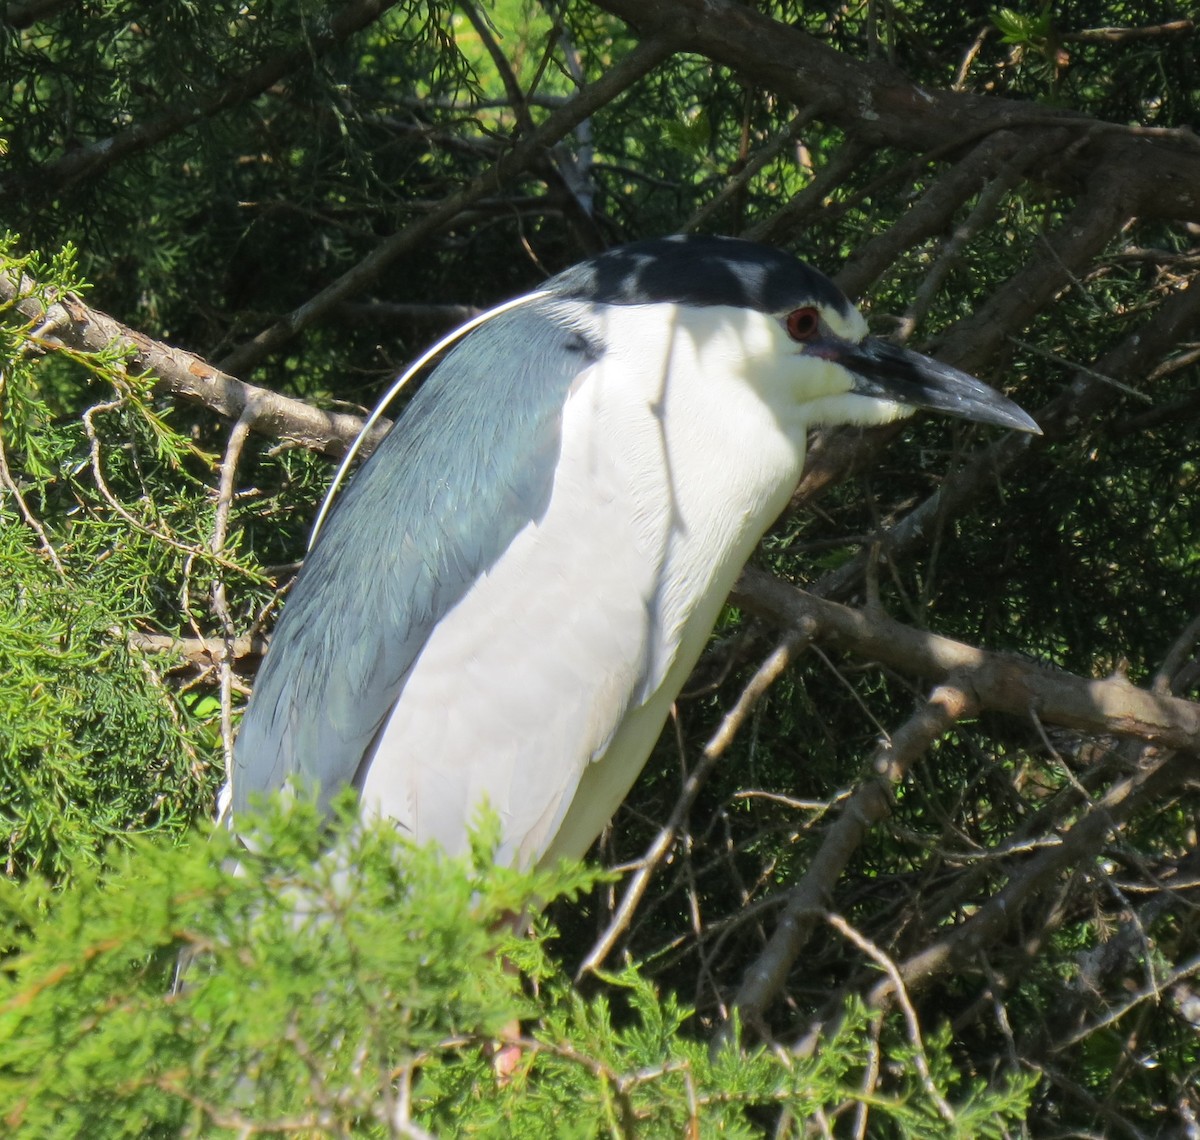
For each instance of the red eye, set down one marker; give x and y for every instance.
(803, 324)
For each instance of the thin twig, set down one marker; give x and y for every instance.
(910, 1014)
(89, 428)
(1123, 35)
(982, 215)
(225, 492)
(1083, 369)
(1153, 991)
(768, 673)
(1083, 840)
(870, 803)
(31, 520)
(870, 1079)
(765, 155)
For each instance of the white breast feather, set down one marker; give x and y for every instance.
(544, 689)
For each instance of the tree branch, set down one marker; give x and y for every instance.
(870, 803)
(201, 651)
(1124, 35)
(874, 101)
(930, 215)
(972, 680)
(1083, 841)
(72, 323)
(996, 681)
(768, 673)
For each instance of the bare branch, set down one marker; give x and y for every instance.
(870, 803)
(220, 605)
(910, 1014)
(1084, 232)
(97, 465)
(931, 213)
(873, 101)
(762, 158)
(200, 651)
(184, 374)
(1083, 841)
(767, 674)
(996, 681)
(795, 214)
(1124, 35)
(987, 207)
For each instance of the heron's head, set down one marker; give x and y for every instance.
(781, 324)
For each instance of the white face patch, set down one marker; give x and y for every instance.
(740, 368)
(791, 380)
(822, 390)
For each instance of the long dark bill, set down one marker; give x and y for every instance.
(890, 372)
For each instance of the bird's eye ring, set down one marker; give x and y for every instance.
(803, 324)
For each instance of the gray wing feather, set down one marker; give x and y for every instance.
(470, 463)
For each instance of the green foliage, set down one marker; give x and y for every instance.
(100, 518)
(91, 742)
(342, 981)
(1017, 28)
(1083, 556)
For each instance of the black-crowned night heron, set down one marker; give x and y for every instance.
(511, 592)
